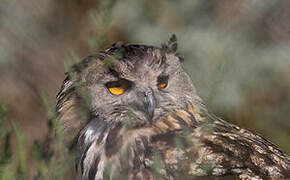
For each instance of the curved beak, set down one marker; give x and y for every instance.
(150, 104)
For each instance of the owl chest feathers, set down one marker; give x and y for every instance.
(182, 144)
(102, 145)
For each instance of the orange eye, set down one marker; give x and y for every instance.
(162, 85)
(118, 87)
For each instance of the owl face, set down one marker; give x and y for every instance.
(139, 88)
(132, 93)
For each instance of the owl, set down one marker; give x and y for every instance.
(132, 112)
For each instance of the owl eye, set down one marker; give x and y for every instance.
(162, 85)
(118, 87)
(162, 82)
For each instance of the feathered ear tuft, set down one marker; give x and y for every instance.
(171, 45)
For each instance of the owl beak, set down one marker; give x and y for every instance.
(150, 104)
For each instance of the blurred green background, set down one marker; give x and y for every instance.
(237, 53)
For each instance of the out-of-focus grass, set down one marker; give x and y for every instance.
(49, 160)
(5, 144)
(101, 19)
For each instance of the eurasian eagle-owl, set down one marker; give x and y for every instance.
(134, 114)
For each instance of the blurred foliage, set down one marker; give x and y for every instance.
(101, 19)
(5, 134)
(236, 52)
(50, 159)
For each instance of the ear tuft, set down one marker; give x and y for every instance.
(171, 45)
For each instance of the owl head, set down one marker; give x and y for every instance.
(126, 92)
(131, 84)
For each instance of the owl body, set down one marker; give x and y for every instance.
(131, 112)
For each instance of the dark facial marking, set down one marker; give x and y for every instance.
(94, 168)
(83, 157)
(114, 141)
